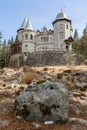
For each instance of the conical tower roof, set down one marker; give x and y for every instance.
(26, 25)
(61, 15)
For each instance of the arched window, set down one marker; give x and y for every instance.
(61, 35)
(22, 37)
(47, 39)
(67, 26)
(61, 26)
(26, 45)
(26, 36)
(31, 37)
(41, 39)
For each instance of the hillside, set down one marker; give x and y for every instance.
(15, 81)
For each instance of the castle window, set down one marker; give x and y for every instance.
(67, 26)
(26, 36)
(61, 35)
(41, 39)
(26, 45)
(22, 37)
(31, 37)
(61, 26)
(47, 39)
(44, 39)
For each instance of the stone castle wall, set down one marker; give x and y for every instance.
(50, 58)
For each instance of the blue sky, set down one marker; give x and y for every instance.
(40, 12)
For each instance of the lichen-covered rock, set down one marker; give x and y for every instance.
(49, 102)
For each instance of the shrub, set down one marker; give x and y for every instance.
(30, 76)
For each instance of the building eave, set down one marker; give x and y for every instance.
(57, 20)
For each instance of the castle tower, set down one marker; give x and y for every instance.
(62, 32)
(26, 36)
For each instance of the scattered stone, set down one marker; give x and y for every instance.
(74, 108)
(1, 71)
(27, 69)
(81, 85)
(67, 71)
(47, 77)
(36, 126)
(85, 62)
(78, 120)
(48, 122)
(4, 123)
(60, 75)
(19, 117)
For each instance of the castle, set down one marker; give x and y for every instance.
(45, 47)
(58, 39)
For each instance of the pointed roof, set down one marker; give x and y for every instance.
(26, 25)
(61, 15)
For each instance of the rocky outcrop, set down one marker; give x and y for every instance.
(49, 103)
(16, 60)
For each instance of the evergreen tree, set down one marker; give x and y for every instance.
(9, 42)
(16, 39)
(12, 41)
(1, 52)
(0, 37)
(76, 35)
(84, 42)
(4, 42)
(76, 44)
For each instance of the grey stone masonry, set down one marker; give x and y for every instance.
(43, 58)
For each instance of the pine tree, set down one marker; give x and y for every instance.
(76, 35)
(0, 37)
(16, 38)
(76, 44)
(12, 41)
(84, 41)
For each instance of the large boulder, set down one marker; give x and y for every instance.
(48, 103)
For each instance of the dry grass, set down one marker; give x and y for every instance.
(30, 76)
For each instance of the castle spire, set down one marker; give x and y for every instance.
(28, 25)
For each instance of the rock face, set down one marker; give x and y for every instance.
(16, 60)
(49, 103)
